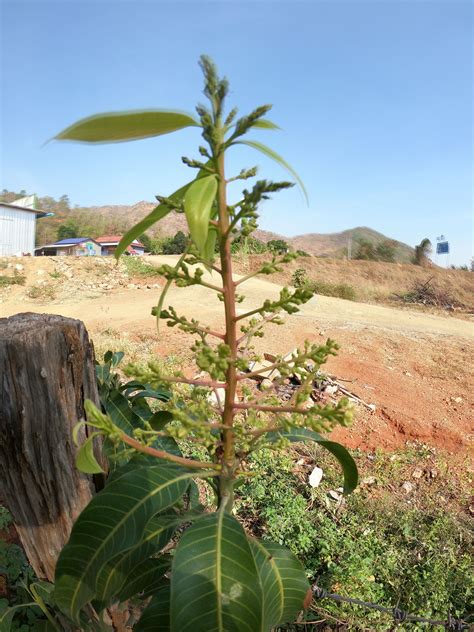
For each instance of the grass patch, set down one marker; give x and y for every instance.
(17, 279)
(41, 292)
(379, 545)
(136, 267)
(338, 290)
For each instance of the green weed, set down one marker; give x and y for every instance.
(41, 292)
(374, 546)
(17, 279)
(136, 267)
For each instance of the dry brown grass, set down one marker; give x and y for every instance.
(373, 281)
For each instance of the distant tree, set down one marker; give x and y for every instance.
(175, 245)
(278, 246)
(422, 251)
(248, 246)
(147, 242)
(365, 251)
(386, 251)
(63, 203)
(68, 230)
(48, 203)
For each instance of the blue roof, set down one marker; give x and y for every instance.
(72, 240)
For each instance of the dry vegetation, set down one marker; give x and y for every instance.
(374, 281)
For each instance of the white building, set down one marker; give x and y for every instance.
(17, 227)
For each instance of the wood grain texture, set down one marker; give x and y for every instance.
(46, 373)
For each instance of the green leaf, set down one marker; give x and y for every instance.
(6, 616)
(159, 419)
(155, 216)
(115, 127)
(346, 461)
(283, 580)
(85, 459)
(146, 578)
(118, 408)
(117, 358)
(214, 581)
(209, 252)
(277, 158)
(194, 500)
(198, 206)
(162, 395)
(116, 574)
(156, 617)
(45, 626)
(131, 386)
(265, 124)
(113, 522)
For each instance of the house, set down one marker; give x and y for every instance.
(18, 226)
(109, 244)
(74, 246)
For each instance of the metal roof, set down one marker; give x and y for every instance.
(24, 208)
(111, 240)
(71, 241)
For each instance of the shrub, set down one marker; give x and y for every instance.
(422, 252)
(338, 290)
(41, 292)
(175, 245)
(278, 246)
(299, 277)
(138, 267)
(248, 246)
(386, 251)
(365, 251)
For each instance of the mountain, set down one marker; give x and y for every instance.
(94, 221)
(336, 244)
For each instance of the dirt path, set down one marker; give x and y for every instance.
(123, 306)
(415, 367)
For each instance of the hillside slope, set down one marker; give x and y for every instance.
(116, 219)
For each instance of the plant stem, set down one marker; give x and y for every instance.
(228, 455)
(161, 454)
(183, 380)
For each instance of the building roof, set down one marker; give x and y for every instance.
(25, 208)
(66, 243)
(112, 240)
(72, 240)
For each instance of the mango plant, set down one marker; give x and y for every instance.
(146, 554)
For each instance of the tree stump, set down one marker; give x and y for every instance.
(46, 372)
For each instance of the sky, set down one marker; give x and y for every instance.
(374, 101)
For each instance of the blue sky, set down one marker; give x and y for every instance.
(374, 100)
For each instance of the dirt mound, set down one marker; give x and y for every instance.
(51, 280)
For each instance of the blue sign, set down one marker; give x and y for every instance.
(442, 248)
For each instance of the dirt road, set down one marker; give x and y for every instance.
(130, 306)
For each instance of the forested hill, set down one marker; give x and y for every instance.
(116, 219)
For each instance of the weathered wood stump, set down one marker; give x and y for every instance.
(46, 373)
